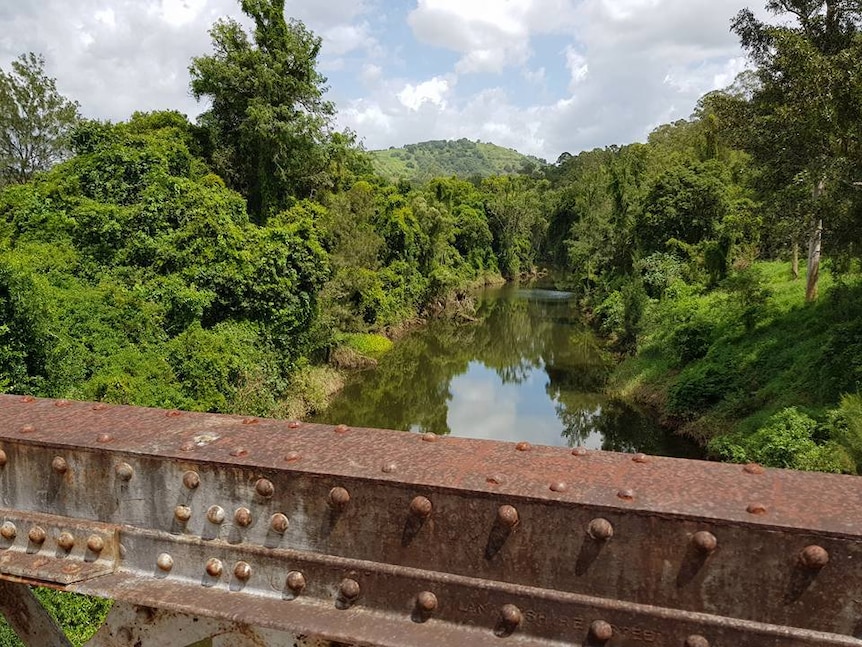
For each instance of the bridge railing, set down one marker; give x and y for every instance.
(204, 526)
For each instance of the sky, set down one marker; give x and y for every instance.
(541, 76)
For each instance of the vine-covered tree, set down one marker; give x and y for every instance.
(35, 120)
(269, 126)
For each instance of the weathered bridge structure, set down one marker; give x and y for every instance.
(222, 530)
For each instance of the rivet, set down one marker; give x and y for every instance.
(430, 437)
(62, 403)
(165, 562)
(242, 571)
(420, 506)
(8, 531)
(756, 508)
(601, 631)
(640, 458)
(495, 479)
(27, 399)
(507, 515)
(279, 523)
(95, 543)
(389, 468)
(182, 513)
(349, 589)
(191, 480)
(511, 617)
(66, 541)
(28, 429)
(124, 472)
(214, 567)
(173, 414)
(626, 495)
(523, 447)
(294, 425)
(239, 452)
(37, 535)
(292, 457)
(242, 517)
(99, 406)
(705, 542)
(342, 429)
(814, 557)
(250, 421)
(215, 514)
(338, 497)
(559, 487)
(3, 458)
(264, 488)
(59, 465)
(600, 529)
(104, 438)
(753, 468)
(696, 641)
(426, 602)
(580, 451)
(187, 446)
(295, 582)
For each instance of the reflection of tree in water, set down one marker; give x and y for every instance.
(514, 337)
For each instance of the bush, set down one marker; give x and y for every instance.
(699, 387)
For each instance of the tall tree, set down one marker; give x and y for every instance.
(35, 120)
(803, 121)
(269, 125)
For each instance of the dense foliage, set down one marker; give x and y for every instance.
(463, 158)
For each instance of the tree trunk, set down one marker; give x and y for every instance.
(794, 261)
(814, 262)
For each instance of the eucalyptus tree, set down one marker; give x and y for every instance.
(35, 120)
(803, 119)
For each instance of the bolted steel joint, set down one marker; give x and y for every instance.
(66, 541)
(264, 488)
(37, 535)
(243, 517)
(191, 480)
(814, 557)
(421, 507)
(338, 498)
(95, 544)
(600, 529)
(696, 641)
(705, 542)
(510, 619)
(165, 562)
(8, 531)
(348, 592)
(507, 516)
(182, 513)
(214, 567)
(295, 582)
(426, 603)
(124, 472)
(601, 631)
(3, 458)
(279, 523)
(215, 514)
(59, 465)
(242, 571)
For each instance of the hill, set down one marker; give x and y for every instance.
(462, 157)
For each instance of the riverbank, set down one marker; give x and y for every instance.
(752, 372)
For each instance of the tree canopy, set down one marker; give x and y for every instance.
(35, 120)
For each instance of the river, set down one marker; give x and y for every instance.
(527, 369)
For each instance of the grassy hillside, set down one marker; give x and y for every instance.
(464, 158)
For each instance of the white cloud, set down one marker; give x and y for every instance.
(578, 66)
(433, 91)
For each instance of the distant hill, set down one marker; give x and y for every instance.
(462, 157)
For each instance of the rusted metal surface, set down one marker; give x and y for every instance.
(28, 618)
(390, 538)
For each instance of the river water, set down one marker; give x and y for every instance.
(526, 369)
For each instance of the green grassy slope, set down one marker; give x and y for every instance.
(464, 158)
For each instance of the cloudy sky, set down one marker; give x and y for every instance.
(541, 76)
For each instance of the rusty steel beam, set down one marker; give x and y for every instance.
(26, 615)
(392, 538)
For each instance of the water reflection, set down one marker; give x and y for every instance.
(527, 369)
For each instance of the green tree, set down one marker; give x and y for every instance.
(803, 120)
(269, 127)
(35, 120)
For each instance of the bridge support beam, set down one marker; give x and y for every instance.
(28, 618)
